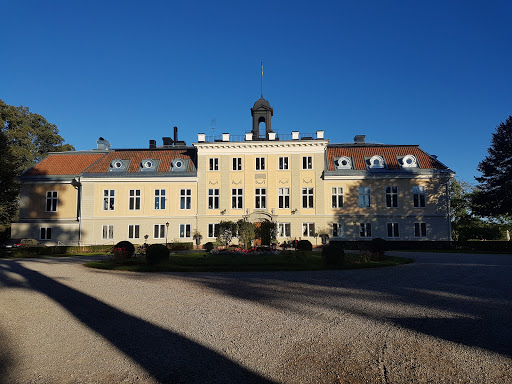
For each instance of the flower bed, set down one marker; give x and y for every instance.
(253, 251)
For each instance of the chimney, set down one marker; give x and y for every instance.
(167, 141)
(152, 144)
(359, 139)
(102, 144)
(175, 134)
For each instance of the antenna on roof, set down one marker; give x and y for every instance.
(213, 129)
(262, 79)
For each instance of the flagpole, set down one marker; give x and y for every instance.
(262, 79)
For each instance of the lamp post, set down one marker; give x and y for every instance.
(166, 230)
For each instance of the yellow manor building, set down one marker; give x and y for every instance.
(302, 182)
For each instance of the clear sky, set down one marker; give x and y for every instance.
(433, 73)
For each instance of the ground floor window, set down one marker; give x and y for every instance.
(308, 229)
(284, 230)
(420, 230)
(211, 230)
(365, 230)
(133, 231)
(338, 230)
(159, 231)
(393, 230)
(107, 232)
(184, 230)
(46, 233)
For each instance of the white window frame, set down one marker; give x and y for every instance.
(52, 198)
(284, 229)
(109, 199)
(107, 232)
(393, 231)
(159, 230)
(214, 164)
(185, 199)
(307, 162)
(364, 197)
(237, 198)
(418, 191)
(211, 230)
(392, 196)
(420, 229)
(237, 164)
(134, 200)
(160, 199)
(45, 233)
(337, 198)
(284, 198)
(308, 229)
(260, 198)
(283, 163)
(308, 197)
(260, 164)
(213, 198)
(134, 231)
(365, 230)
(338, 230)
(185, 231)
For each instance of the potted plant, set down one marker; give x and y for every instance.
(197, 237)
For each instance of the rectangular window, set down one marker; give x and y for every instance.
(307, 162)
(211, 230)
(365, 230)
(418, 193)
(108, 199)
(284, 230)
(51, 201)
(260, 163)
(159, 198)
(134, 203)
(213, 198)
(337, 197)
(364, 197)
(393, 230)
(338, 230)
(184, 230)
(185, 199)
(392, 197)
(307, 197)
(420, 230)
(260, 198)
(308, 229)
(237, 198)
(159, 231)
(214, 164)
(237, 163)
(134, 231)
(107, 232)
(284, 197)
(283, 163)
(46, 234)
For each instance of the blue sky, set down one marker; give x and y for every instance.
(434, 73)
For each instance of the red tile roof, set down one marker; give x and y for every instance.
(388, 152)
(64, 164)
(136, 156)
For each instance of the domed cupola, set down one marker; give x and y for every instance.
(261, 112)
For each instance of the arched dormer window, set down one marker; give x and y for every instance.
(409, 161)
(376, 162)
(343, 163)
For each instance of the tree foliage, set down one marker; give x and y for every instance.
(246, 232)
(493, 196)
(267, 232)
(225, 232)
(9, 185)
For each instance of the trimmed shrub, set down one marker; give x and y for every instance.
(122, 251)
(180, 246)
(304, 245)
(333, 254)
(208, 246)
(157, 254)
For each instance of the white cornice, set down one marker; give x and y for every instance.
(139, 180)
(299, 146)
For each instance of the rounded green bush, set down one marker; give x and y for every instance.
(333, 254)
(304, 245)
(208, 246)
(157, 254)
(122, 251)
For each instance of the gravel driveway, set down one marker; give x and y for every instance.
(446, 318)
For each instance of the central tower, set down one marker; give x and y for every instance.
(261, 112)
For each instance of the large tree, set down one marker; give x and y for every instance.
(493, 195)
(25, 139)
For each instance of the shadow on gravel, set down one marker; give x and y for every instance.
(465, 300)
(7, 359)
(167, 356)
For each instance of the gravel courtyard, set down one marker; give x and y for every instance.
(445, 318)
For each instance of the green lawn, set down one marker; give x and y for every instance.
(205, 262)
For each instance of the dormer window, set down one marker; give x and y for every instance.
(376, 162)
(178, 165)
(119, 165)
(409, 161)
(148, 164)
(343, 163)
